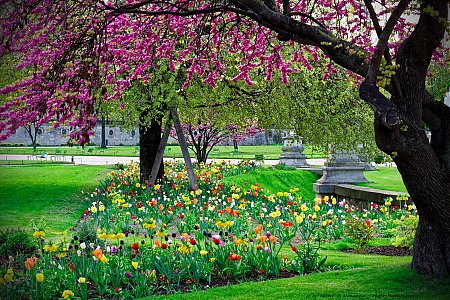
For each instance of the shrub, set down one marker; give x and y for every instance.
(404, 233)
(361, 231)
(86, 231)
(16, 241)
(284, 167)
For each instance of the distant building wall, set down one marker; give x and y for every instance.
(49, 136)
(117, 136)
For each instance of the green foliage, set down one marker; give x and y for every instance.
(284, 167)
(86, 231)
(438, 83)
(361, 231)
(323, 112)
(14, 241)
(9, 74)
(143, 102)
(405, 232)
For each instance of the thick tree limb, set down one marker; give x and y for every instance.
(437, 116)
(414, 57)
(385, 111)
(387, 55)
(383, 40)
(338, 50)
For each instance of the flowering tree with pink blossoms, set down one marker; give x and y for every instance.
(202, 137)
(82, 53)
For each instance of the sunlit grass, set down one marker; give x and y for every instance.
(225, 152)
(386, 178)
(51, 192)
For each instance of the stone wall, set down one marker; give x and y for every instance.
(49, 136)
(116, 136)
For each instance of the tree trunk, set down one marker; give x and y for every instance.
(399, 132)
(429, 188)
(103, 145)
(149, 140)
(431, 249)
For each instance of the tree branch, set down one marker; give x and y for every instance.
(437, 116)
(343, 53)
(286, 7)
(297, 13)
(385, 111)
(383, 40)
(373, 15)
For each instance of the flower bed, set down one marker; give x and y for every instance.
(136, 240)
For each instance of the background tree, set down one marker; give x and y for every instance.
(84, 56)
(203, 135)
(9, 75)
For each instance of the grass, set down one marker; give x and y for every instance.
(386, 178)
(31, 192)
(278, 181)
(45, 191)
(359, 277)
(244, 152)
(24, 162)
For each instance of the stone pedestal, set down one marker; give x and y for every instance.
(342, 167)
(447, 99)
(292, 154)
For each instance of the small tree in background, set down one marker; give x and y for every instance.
(202, 137)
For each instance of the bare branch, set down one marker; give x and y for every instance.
(286, 7)
(383, 40)
(297, 13)
(373, 16)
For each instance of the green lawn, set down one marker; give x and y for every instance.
(52, 192)
(358, 277)
(386, 178)
(278, 181)
(248, 152)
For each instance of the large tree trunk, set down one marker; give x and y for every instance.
(399, 132)
(149, 140)
(431, 249)
(429, 188)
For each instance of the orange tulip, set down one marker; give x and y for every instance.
(258, 229)
(30, 262)
(98, 253)
(263, 238)
(273, 239)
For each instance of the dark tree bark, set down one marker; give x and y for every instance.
(32, 131)
(149, 139)
(103, 122)
(399, 122)
(424, 166)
